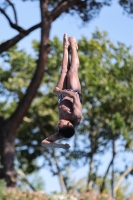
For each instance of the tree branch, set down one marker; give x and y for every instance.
(10, 43)
(14, 26)
(16, 118)
(90, 181)
(62, 7)
(103, 182)
(3, 12)
(21, 173)
(113, 155)
(15, 13)
(53, 15)
(122, 177)
(62, 183)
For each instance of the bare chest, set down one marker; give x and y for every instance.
(65, 109)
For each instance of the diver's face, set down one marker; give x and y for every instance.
(64, 123)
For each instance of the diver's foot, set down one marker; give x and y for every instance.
(65, 41)
(73, 42)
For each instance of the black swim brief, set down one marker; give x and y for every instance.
(62, 95)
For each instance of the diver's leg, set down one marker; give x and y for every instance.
(72, 75)
(62, 83)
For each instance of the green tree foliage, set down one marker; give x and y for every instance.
(107, 97)
(106, 78)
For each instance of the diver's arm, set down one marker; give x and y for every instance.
(50, 142)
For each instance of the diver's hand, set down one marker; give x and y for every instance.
(57, 91)
(66, 146)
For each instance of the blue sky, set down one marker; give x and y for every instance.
(111, 19)
(118, 25)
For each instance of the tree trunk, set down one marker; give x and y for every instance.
(9, 127)
(106, 173)
(7, 153)
(113, 155)
(61, 180)
(90, 181)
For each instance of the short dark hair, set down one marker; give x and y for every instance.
(67, 132)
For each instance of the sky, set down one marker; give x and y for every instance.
(111, 19)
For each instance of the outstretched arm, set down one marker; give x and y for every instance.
(50, 142)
